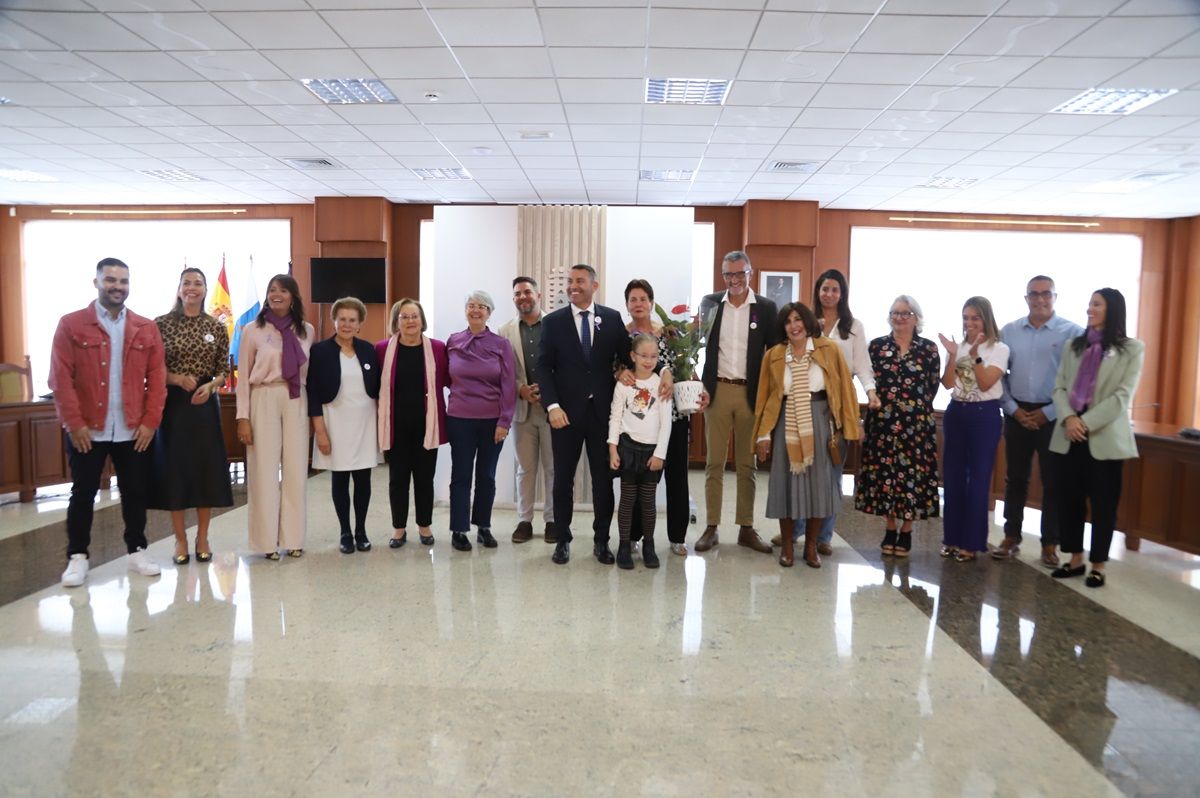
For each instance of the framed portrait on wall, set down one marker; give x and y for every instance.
(780, 287)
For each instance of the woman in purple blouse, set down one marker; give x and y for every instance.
(478, 416)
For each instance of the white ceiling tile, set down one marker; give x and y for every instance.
(583, 27)
(510, 27)
(412, 149)
(269, 92)
(869, 154)
(606, 148)
(835, 117)
(15, 116)
(783, 65)
(34, 95)
(1123, 160)
(995, 158)
(773, 93)
(522, 148)
(227, 115)
(832, 33)
(932, 156)
(142, 66)
(75, 31)
(511, 132)
(909, 170)
(598, 162)
(54, 65)
(407, 62)
(735, 150)
(527, 113)
(1184, 48)
(855, 95)
(912, 120)
(988, 123)
(758, 117)
(959, 141)
(230, 65)
(708, 64)
(623, 90)
(16, 37)
(1072, 73)
(685, 133)
(184, 31)
(386, 114)
(941, 98)
(306, 114)
(1141, 125)
(889, 138)
(656, 162)
(1062, 159)
(802, 152)
(534, 165)
(604, 113)
(980, 8)
(463, 132)
(879, 68)
(505, 62)
(298, 64)
(1164, 73)
(589, 62)
(1100, 144)
(1040, 36)
(517, 90)
(67, 135)
(936, 35)
(78, 117)
(1030, 101)
(686, 114)
(1031, 173)
(728, 164)
(606, 132)
(1020, 142)
(740, 135)
(1064, 124)
(280, 30)
(449, 90)
(189, 92)
(1136, 37)
(322, 134)
(965, 70)
(460, 112)
(193, 134)
(824, 138)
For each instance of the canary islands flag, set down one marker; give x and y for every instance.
(249, 307)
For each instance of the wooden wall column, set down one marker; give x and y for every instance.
(354, 227)
(781, 236)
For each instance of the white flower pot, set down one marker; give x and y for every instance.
(687, 395)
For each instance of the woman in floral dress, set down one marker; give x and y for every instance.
(899, 478)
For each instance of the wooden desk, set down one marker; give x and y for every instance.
(32, 449)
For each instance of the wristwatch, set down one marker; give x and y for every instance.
(978, 360)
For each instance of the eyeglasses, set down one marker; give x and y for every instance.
(1041, 295)
(735, 275)
(405, 317)
(477, 306)
(902, 314)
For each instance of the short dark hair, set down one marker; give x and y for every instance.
(523, 279)
(638, 282)
(587, 269)
(120, 264)
(811, 325)
(1038, 277)
(736, 255)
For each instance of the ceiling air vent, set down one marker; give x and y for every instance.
(312, 163)
(796, 167)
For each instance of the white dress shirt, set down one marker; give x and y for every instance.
(735, 333)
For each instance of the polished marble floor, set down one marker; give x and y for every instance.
(426, 671)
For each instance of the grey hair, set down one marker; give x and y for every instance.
(737, 255)
(915, 307)
(481, 298)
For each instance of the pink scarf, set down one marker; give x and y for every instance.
(293, 352)
(1089, 369)
(432, 433)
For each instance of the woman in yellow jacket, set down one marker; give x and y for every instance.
(805, 398)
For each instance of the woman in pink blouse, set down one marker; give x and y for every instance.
(272, 419)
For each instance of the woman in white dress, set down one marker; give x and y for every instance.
(343, 386)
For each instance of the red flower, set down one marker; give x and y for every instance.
(679, 309)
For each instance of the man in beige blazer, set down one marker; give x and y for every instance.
(530, 425)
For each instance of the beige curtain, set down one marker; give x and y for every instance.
(553, 238)
(550, 240)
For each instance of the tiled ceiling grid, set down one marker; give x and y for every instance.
(883, 95)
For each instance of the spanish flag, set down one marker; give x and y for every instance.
(220, 306)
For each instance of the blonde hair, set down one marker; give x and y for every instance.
(983, 307)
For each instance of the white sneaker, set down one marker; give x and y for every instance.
(138, 561)
(76, 573)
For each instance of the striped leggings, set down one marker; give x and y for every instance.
(642, 494)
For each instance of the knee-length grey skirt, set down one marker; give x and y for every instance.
(817, 492)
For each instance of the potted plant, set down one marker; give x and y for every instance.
(683, 338)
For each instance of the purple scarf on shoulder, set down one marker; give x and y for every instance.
(293, 353)
(1089, 368)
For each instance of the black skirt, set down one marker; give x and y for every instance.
(635, 461)
(190, 469)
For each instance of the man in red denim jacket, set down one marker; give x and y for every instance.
(109, 379)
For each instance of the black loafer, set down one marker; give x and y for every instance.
(426, 540)
(395, 543)
(1066, 571)
(362, 544)
(347, 546)
(460, 541)
(1095, 579)
(562, 552)
(624, 555)
(485, 538)
(603, 553)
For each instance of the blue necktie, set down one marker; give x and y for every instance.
(585, 335)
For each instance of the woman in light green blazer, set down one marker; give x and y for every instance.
(1093, 438)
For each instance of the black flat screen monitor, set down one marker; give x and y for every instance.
(334, 278)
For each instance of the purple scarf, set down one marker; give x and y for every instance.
(293, 353)
(1089, 368)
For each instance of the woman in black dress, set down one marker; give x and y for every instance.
(189, 450)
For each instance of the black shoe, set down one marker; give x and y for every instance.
(485, 538)
(888, 546)
(1066, 571)
(562, 552)
(426, 540)
(396, 543)
(603, 553)
(347, 546)
(361, 543)
(1095, 579)
(624, 555)
(460, 541)
(649, 555)
(903, 544)
(550, 534)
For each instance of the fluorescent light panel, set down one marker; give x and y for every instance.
(1116, 102)
(666, 175)
(948, 182)
(956, 220)
(687, 91)
(442, 174)
(171, 175)
(25, 176)
(348, 91)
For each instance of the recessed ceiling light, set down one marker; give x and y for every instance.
(171, 175)
(666, 175)
(344, 91)
(481, 150)
(686, 90)
(25, 176)
(5, 100)
(1112, 101)
(442, 174)
(535, 135)
(802, 167)
(1130, 184)
(948, 182)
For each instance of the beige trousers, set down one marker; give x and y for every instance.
(534, 451)
(729, 413)
(279, 425)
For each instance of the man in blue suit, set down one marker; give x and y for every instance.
(581, 346)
